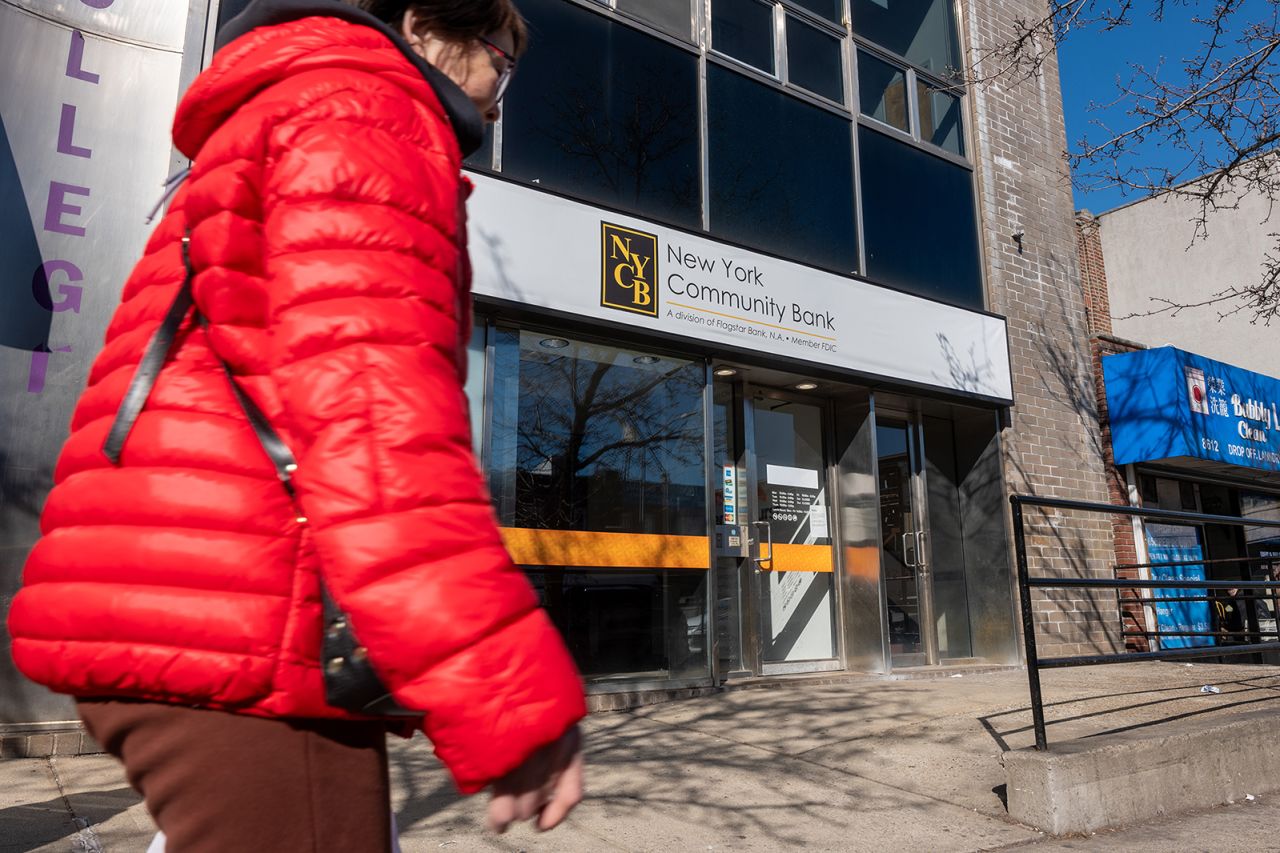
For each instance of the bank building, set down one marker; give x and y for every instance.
(773, 312)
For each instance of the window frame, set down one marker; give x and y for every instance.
(913, 76)
(699, 45)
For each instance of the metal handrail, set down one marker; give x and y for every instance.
(1026, 583)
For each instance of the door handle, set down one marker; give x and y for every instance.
(756, 559)
(921, 563)
(913, 562)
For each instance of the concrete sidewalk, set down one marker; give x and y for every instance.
(860, 764)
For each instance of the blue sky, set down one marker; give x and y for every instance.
(1091, 62)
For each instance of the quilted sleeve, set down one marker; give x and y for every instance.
(361, 210)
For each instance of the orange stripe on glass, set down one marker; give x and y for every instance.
(799, 558)
(592, 549)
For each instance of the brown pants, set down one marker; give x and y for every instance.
(228, 783)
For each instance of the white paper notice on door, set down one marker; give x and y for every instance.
(796, 478)
(818, 520)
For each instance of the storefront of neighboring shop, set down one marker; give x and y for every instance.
(1193, 434)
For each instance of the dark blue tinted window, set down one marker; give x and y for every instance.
(483, 156)
(882, 91)
(940, 117)
(781, 172)
(605, 113)
(829, 9)
(813, 60)
(918, 221)
(921, 30)
(673, 16)
(743, 29)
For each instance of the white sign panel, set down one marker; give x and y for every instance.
(785, 475)
(538, 249)
(800, 617)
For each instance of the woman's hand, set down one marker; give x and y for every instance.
(547, 786)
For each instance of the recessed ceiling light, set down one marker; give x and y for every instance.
(645, 359)
(554, 343)
(806, 386)
(725, 371)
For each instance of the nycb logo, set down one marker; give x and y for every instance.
(630, 264)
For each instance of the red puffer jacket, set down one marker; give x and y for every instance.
(326, 216)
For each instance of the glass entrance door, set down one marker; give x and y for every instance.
(791, 534)
(908, 602)
(775, 591)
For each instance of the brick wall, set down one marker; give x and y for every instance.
(1093, 275)
(1053, 446)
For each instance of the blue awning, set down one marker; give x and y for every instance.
(1166, 403)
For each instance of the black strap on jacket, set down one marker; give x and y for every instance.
(158, 352)
(349, 679)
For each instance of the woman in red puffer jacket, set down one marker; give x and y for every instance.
(176, 594)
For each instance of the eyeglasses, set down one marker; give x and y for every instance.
(508, 69)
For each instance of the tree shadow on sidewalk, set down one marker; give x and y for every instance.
(30, 826)
(1111, 718)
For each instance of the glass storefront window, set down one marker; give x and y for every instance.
(919, 221)
(597, 469)
(940, 117)
(882, 92)
(814, 61)
(743, 29)
(474, 388)
(482, 157)
(670, 16)
(616, 125)
(629, 624)
(921, 31)
(781, 172)
(829, 9)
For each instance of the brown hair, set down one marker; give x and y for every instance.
(461, 20)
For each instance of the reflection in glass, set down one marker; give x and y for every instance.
(946, 550)
(796, 604)
(618, 125)
(474, 388)
(898, 526)
(813, 60)
(940, 117)
(1263, 545)
(922, 31)
(671, 16)
(482, 158)
(729, 570)
(781, 172)
(829, 9)
(585, 437)
(919, 221)
(743, 29)
(882, 92)
(629, 623)
(589, 437)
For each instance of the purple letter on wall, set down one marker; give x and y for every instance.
(66, 134)
(69, 292)
(75, 59)
(58, 206)
(40, 367)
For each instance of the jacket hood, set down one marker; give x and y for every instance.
(223, 90)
